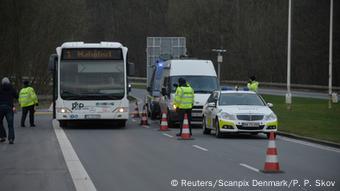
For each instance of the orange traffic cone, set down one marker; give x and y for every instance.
(272, 163)
(164, 122)
(135, 114)
(185, 130)
(144, 119)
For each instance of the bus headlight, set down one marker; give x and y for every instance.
(121, 109)
(63, 110)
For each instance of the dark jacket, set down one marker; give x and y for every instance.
(7, 94)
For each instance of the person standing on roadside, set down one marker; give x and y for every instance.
(252, 84)
(184, 100)
(7, 96)
(27, 99)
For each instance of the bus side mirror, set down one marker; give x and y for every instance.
(131, 69)
(52, 64)
(148, 89)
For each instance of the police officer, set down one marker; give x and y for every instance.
(7, 95)
(27, 99)
(253, 85)
(184, 100)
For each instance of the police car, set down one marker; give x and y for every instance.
(233, 111)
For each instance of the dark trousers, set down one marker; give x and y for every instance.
(181, 113)
(6, 111)
(25, 110)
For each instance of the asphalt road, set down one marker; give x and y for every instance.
(34, 162)
(143, 158)
(140, 158)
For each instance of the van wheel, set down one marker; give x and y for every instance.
(218, 133)
(153, 115)
(171, 124)
(206, 131)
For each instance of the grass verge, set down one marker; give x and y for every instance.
(308, 117)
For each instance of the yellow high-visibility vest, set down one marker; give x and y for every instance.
(184, 97)
(27, 97)
(253, 86)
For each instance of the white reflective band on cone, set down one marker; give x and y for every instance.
(272, 158)
(271, 144)
(164, 123)
(185, 131)
(185, 122)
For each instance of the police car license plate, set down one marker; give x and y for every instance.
(250, 124)
(92, 116)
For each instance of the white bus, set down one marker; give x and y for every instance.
(90, 82)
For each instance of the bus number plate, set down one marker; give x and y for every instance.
(92, 116)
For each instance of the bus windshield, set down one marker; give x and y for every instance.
(92, 79)
(200, 84)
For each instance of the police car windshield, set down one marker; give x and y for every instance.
(200, 84)
(92, 79)
(240, 99)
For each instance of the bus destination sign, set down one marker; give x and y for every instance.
(92, 54)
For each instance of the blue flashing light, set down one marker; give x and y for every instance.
(224, 88)
(160, 64)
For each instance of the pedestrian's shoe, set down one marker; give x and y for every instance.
(23, 126)
(33, 125)
(178, 134)
(2, 140)
(11, 141)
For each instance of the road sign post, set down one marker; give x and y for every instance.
(219, 61)
(289, 94)
(330, 53)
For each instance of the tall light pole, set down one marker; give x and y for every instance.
(289, 94)
(330, 54)
(219, 61)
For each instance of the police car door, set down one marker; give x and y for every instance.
(215, 109)
(210, 110)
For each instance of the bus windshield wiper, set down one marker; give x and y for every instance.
(101, 96)
(70, 95)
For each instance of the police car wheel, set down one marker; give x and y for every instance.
(268, 135)
(206, 131)
(218, 133)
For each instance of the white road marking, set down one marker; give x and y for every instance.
(201, 148)
(81, 179)
(146, 126)
(165, 134)
(133, 120)
(310, 144)
(250, 167)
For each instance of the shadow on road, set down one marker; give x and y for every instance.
(112, 125)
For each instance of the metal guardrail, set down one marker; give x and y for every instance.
(263, 84)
